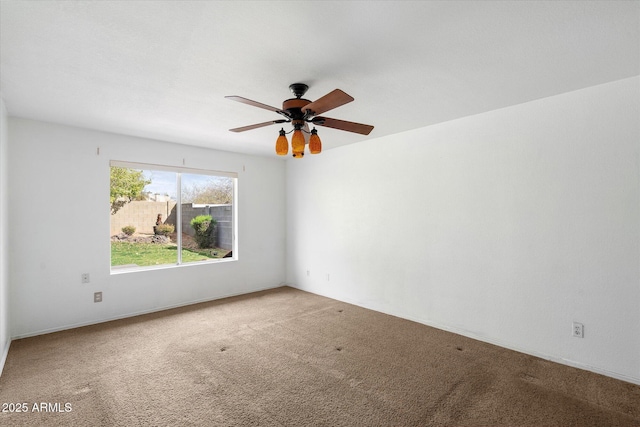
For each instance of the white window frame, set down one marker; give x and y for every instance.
(179, 171)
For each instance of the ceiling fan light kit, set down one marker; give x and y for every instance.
(315, 145)
(282, 145)
(297, 143)
(300, 112)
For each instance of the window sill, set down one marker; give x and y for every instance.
(124, 269)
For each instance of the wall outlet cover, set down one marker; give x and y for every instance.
(578, 330)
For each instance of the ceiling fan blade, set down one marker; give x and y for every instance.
(328, 102)
(256, 126)
(254, 103)
(343, 125)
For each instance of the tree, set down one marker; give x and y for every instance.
(126, 185)
(204, 227)
(218, 191)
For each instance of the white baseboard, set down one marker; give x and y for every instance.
(138, 313)
(474, 336)
(3, 356)
(550, 358)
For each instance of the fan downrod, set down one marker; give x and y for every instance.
(298, 89)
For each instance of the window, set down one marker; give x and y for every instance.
(163, 216)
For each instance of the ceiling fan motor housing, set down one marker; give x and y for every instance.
(294, 107)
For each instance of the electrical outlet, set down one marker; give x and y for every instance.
(84, 277)
(97, 297)
(578, 330)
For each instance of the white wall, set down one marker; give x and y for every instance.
(5, 330)
(504, 226)
(59, 213)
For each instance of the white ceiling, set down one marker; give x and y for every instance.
(161, 69)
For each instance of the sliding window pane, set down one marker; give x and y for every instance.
(143, 218)
(207, 217)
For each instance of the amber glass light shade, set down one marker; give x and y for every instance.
(297, 143)
(282, 145)
(298, 155)
(315, 145)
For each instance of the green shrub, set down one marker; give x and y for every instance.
(164, 229)
(204, 226)
(128, 230)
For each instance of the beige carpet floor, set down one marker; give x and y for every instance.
(289, 358)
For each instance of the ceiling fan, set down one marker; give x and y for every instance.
(300, 112)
